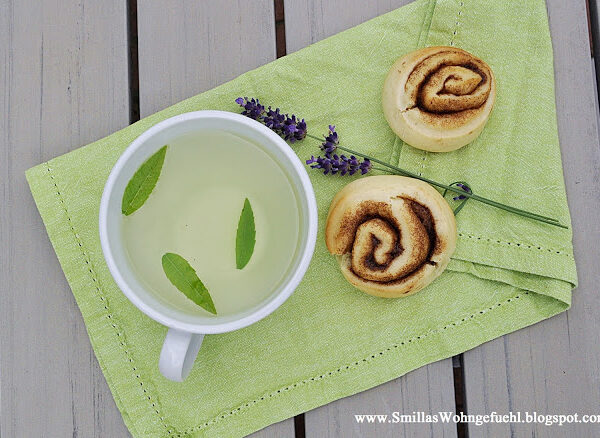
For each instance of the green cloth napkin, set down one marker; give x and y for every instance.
(330, 340)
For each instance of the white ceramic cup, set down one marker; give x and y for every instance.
(186, 330)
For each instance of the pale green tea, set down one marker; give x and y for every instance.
(194, 210)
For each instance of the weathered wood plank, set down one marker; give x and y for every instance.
(186, 47)
(554, 366)
(309, 21)
(197, 46)
(63, 83)
(429, 389)
(594, 22)
(594, 11)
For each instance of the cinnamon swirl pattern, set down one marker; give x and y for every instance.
(392, 235)
(438, 98)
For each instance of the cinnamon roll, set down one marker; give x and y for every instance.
(438, 98)
(392, 235)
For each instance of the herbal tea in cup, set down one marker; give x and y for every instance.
(195, 211)
(207, 223)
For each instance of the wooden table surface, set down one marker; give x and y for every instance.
(74, 71)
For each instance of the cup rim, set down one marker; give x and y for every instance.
(297, 272)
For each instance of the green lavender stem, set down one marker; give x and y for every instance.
(518, 211)
(382, 169)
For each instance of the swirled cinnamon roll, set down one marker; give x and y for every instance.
(438, 98)
(392, 235)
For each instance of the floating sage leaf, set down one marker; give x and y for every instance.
(142, 183)
(245, 239)
(182, 275)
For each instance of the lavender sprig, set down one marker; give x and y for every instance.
(293, 130)
(340, 164)
(399, 171)
(332, 163)
(288, 127)
(331, 141)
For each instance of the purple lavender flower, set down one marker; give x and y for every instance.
(300, 132)
(353, 164)
(331, 141)
(466, 188)
(339, 164)
(365, 166)
(342, 165)
(274, 120)
(320, 163)
(252, 108)
(290, 128)
(293, 130)
(333, 163)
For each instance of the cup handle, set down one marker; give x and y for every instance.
(178, 354)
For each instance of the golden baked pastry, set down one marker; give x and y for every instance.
(392, 235)
(438, 98)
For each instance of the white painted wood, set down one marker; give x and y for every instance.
(63, 84)
(554, 366)
(309, 21)
(429, 389)
(186, 47)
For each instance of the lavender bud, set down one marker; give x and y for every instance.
(331, 141)
(252, 108)
(464, 187)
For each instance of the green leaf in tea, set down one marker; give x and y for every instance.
(143, 182)
(182, 275)
(245, 239)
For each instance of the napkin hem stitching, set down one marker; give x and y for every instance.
(348, 366)
(456, 25)
(518, 245)
(109, 315)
